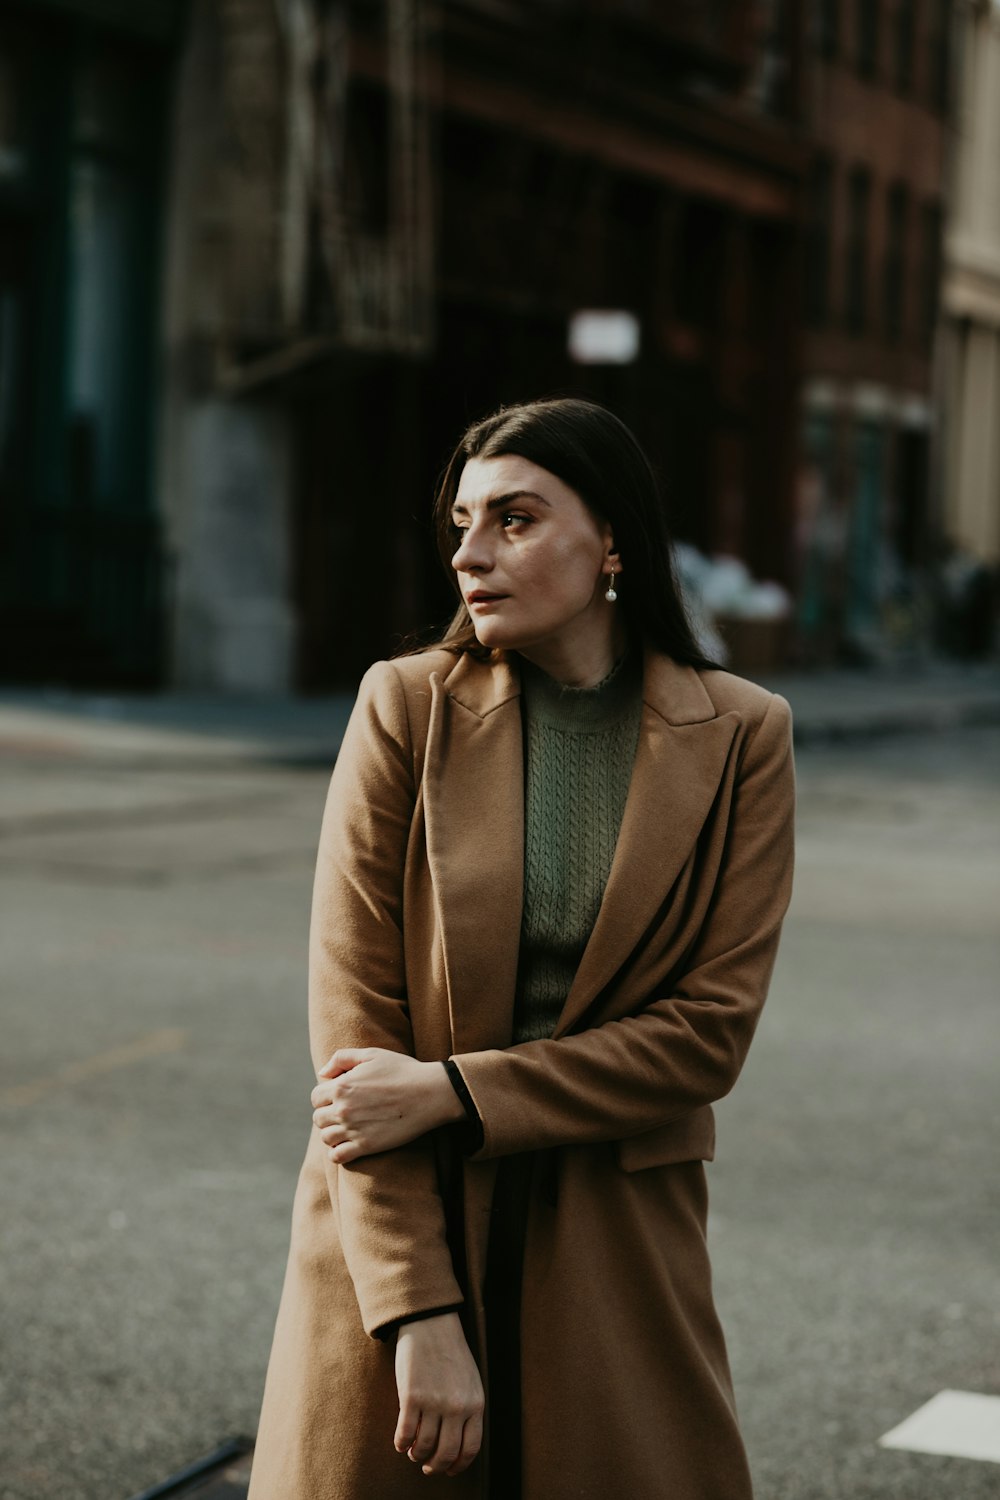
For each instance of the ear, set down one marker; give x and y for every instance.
(610, 551)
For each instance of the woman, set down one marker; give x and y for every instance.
(553, 868)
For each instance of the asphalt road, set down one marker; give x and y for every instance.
(154, 1108)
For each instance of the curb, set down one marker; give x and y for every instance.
(928, 718)
(30, 735)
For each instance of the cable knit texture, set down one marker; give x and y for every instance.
(580, 745)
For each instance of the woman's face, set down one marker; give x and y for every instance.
(529, 542)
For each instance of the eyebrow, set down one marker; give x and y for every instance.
(495, 501)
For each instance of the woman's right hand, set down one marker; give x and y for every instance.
(441, 1398)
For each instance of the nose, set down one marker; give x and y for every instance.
(473, 555)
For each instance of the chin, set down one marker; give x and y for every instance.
(492, 634)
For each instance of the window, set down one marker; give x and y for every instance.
(818, 243)
(894, 289)
(939, 65)
(12, 102)
(932, 228)
(367, 133)
(859, 197)
(905, 30)
(866, 21)
(699, 263)
(825, 27)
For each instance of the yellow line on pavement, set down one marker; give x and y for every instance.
(154, 1045)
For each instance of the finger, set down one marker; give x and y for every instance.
(345, 1153)
(321, 1094)
(449, 1445)
(342, 1061)
(426, 1440)
(472, 1441)
(327, 1115)
(406, 1427)
(333, 1135)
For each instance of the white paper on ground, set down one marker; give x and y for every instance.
(960, 1424)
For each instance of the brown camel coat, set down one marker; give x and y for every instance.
(414, 946)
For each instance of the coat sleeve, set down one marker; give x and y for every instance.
(389, 1208)
(684, 1049)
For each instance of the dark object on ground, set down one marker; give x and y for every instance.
(222, 1475)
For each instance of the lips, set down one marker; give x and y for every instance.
(482, 598)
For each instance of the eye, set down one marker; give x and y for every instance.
(513, 516)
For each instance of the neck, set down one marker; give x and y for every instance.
(581, 662)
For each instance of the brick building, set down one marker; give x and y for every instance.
(383, 217)
(343, 228)
(878, 96)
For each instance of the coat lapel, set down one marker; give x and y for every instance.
(474, 798)
(474, 809)
(679, 762)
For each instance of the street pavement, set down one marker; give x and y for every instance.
(155, 870)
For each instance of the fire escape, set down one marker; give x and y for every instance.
(311, 264)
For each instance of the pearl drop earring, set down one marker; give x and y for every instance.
(611, 595)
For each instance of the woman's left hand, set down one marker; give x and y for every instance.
(370, 1099)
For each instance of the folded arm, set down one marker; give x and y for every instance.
(680, 1051)
(392, 1221)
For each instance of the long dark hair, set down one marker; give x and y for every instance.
(594, 453)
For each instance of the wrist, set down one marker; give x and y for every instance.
(432, 1325)
(449, 1108)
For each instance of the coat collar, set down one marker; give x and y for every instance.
(474, 803)
(672, 690)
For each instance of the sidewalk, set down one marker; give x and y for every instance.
(172, 728)
(841, 704)
(181, 728)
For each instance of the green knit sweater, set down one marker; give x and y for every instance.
(579, 749)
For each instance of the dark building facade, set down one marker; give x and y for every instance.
(378, 218)
(495, 170)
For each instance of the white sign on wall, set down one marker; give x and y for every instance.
(603, 337)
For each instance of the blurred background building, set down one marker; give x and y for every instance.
(84, 96)
(877, 110)
(261, 260)
(970, 337)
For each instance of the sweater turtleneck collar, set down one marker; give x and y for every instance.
(583, 709)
